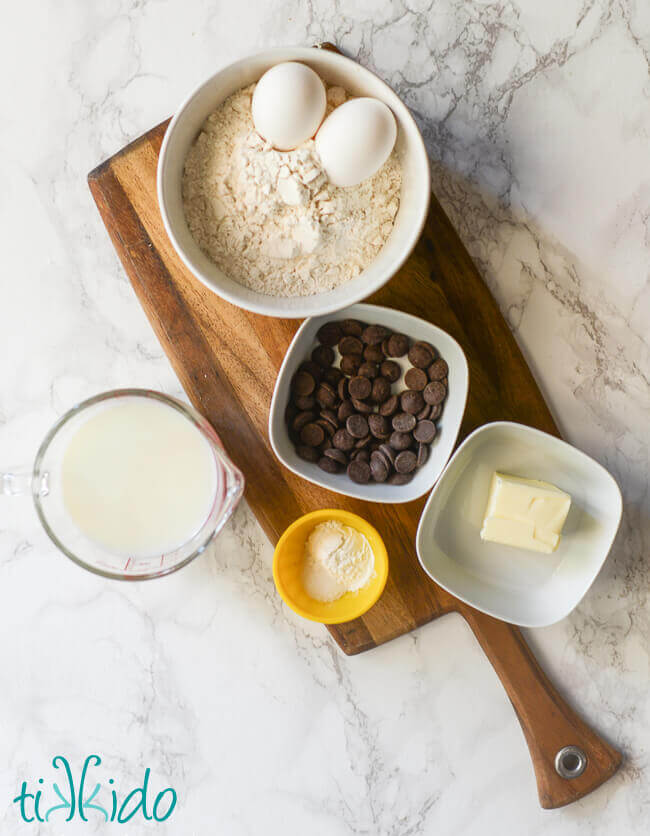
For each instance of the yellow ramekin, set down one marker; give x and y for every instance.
(288, 566)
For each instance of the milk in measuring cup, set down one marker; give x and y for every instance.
(138, 477)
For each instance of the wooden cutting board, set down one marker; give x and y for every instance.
(227, 360)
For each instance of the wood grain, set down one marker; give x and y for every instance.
(227, 361)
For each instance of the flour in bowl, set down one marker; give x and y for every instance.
(270, 219)
(338, 559)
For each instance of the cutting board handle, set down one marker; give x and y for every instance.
(548, 723)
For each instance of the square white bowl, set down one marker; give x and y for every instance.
(448, 426)
(516, 585)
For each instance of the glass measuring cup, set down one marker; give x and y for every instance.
(44, 483)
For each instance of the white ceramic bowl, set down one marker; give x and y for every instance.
(516, 585)
(448, 426)
(335, 69)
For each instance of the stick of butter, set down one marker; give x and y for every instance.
(526, 513)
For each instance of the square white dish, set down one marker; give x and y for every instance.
(516, 585)
(448, 425)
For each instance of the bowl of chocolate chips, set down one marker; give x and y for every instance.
(368, 403)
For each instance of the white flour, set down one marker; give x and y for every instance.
(270, 219)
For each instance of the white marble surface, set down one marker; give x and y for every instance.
(537, 120)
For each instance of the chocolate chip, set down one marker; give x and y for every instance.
(411, 401)
(309, 454)
(352, 327)
(329, 465)
(303, 383)
(362, 407)
(390, 370)
(380, 390)
(329, 333)
(326, 395)
(423, 454)
(400, 441)
(345, 410)
(425, 432)
(359, 471)
(388, 462)
(406, 462)
(425, 412)
(328, 428)
(438, 370)
(363, 455)
(312, 434)
(373, 353)
(350, 364)
(416, 379)
(388, 451)
(357, 426)
(369, 370)
(350, 345)
(398, 345)
(342, 388)
(420, 356)
(436, 411)
(301, 419)
(311, 368)
(333, 376)
(390, 406)
(331, 417)
(323, 355)
(305, 402)
(403, 422)
(336, 454)
(290, 412)
(434, 392)
(343, 440)
(428, 347)
(399, 478)
(378, 467)
(379, 426)
(375, 334)
(360, 387)
(363, 442)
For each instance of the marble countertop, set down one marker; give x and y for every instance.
(537, 120)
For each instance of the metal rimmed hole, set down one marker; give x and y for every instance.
(570, 762)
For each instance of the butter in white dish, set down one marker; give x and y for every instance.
(526, 513)
(338, 559)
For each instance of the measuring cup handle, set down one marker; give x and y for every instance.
(16, 482)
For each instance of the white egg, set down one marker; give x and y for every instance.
(288, 104)
(355, 140)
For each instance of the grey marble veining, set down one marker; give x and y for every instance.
(537, 120)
